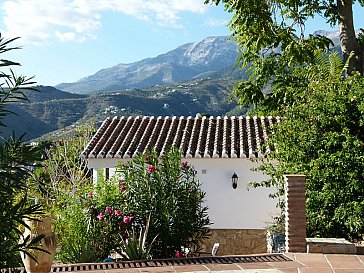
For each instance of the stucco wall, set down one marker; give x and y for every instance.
(238, 208)
(228, 208)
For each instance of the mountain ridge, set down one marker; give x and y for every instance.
(207, 64)
(178, 65)
(184, 63)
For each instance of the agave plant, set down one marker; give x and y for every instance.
(134, 247)
(79, 250)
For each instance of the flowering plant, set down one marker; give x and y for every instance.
(95, 213)
(167, 189)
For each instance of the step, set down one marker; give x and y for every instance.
(330, 245)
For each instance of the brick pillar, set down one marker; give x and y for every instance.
(295, 213)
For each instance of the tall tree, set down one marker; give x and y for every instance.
(271, 36)
(322, 136)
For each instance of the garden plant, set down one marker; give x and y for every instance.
(151, 208)
(166, 189)
(322, 136)
(16, 157)
(317, 89)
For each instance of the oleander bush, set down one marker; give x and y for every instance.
(150, 208)
(166, 189)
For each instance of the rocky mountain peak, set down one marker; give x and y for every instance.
(181, 64)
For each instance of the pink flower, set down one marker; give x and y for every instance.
(108, 210)
(117, 212)
(90, 194)
(179, 254)
(123, 188)
(127, 219)
(151, 169)
(184, 164)
(127, 241)
(100, 216)
(147, 157)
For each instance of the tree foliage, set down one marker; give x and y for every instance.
(61, 170)
(272, 39)
(321, 100)
(16, 159)
(322, 136)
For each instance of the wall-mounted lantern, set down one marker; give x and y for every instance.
(234, 180)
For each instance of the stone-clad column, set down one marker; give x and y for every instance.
(295, 213)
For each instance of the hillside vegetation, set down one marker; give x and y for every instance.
(52, 112)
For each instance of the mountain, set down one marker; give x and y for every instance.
(193, 60)
(181, 64)
(141, 88)
(334, 36)
(24, 122)
(61, 113)
(47, 109)
(49, 93)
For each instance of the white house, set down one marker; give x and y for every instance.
(217, 147)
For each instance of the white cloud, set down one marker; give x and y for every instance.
(71, 36)
(214, 22)
(39, 21)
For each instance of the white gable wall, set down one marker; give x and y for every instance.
(238, 208)
(228, 208)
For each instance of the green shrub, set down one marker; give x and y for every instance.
(90, 222)
(169, 191)
(93, 221)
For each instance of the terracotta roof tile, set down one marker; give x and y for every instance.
(196, 137)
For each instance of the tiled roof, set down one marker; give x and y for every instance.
(196, 137)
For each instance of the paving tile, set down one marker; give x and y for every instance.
(345, 262)
(165, 269)
(349, 270)
(236, 270)
(189, 268)
(291, 264)
(263, 265)
(346, 265)
(289, 255)
(313, 264)
(339, 257)
(289, 270)
(256, 271)
(308, 257)
(220, 267)
(315, 270)
(361, 258)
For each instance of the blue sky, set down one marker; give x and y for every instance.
(65, 40)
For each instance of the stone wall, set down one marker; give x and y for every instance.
(237, 241)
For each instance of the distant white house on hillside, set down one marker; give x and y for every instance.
(217, 147)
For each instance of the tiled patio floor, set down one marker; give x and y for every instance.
(301, 263)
